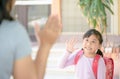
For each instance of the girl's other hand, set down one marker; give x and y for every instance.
(70, 45)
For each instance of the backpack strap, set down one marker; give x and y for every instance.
(95, 65)
(109, 67)
(78, 56)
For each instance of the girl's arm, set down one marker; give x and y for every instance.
(64, 62)
(68, 58)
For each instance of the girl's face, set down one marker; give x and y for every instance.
(91, 45)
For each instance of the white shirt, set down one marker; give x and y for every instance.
(84, 68)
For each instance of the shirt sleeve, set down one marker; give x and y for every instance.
(101, 69)
(68, 59)
(23, 45)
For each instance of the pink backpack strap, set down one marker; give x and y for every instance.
(109, 67)
(78, 56)
(95, 65)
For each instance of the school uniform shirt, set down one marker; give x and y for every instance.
(83, 68)
(14, 45)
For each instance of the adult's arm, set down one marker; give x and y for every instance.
(26, 68)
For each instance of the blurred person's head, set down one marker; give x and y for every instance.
(116, 53)
(5, 9)
(118, 50)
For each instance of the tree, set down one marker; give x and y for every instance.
(95, 11)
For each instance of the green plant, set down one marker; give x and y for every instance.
(95, 11)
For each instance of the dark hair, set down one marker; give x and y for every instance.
(97, 34)
(4, 13)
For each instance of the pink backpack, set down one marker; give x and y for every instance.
(108, 62)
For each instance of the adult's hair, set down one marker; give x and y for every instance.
(97, 34)
(4, 12)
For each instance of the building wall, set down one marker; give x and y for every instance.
(74, 20)
(119, 15)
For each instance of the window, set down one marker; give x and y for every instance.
(31, 12)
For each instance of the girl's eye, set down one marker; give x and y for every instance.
(93, 41)
(86, 40)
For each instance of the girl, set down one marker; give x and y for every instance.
(92, 41)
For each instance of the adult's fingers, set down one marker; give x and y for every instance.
(37, 28)
(54, 24)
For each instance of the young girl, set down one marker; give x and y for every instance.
(92, 41)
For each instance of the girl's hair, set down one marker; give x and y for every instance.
(97, 34)
(4, 13)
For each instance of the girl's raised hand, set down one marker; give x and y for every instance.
(70, 45)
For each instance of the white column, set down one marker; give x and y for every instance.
(114, 19)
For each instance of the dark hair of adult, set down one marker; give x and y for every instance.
(4, 12)
(97, 34)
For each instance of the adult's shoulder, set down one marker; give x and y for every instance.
(14, 28)
(18, 29)
(15, 24)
